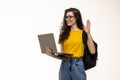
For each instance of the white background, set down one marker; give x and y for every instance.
(22, 20)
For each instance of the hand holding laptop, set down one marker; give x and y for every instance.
(48, 51)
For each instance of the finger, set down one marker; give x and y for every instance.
(48, 51)
(88, 22)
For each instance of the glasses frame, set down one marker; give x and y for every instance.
(69, 17)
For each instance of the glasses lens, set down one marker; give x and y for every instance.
(68, 17)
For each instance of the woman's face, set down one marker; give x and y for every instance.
(70, 19)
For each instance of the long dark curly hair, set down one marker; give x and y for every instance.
(65, 30)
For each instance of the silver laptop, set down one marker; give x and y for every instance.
(49, 41)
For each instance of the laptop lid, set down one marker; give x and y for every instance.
(47, 40)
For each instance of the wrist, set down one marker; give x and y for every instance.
(88, 34)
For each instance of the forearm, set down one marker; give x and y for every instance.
(90, 43)
(50, 53)
(56, 56)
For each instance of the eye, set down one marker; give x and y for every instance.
(69, 17)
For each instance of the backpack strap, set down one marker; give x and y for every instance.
(84, 37)
(86, 50)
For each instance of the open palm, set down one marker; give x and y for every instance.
(87, 27)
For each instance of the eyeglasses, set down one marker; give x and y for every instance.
(69, 17)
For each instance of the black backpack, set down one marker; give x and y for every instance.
(89, 59)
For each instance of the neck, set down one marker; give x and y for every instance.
(74, 27)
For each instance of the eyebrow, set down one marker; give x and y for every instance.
(69, 15)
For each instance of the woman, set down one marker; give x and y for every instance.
(70, 39)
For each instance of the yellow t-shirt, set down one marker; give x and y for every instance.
(74, 44)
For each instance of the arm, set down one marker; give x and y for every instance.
(90, 42)
(49, 53)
